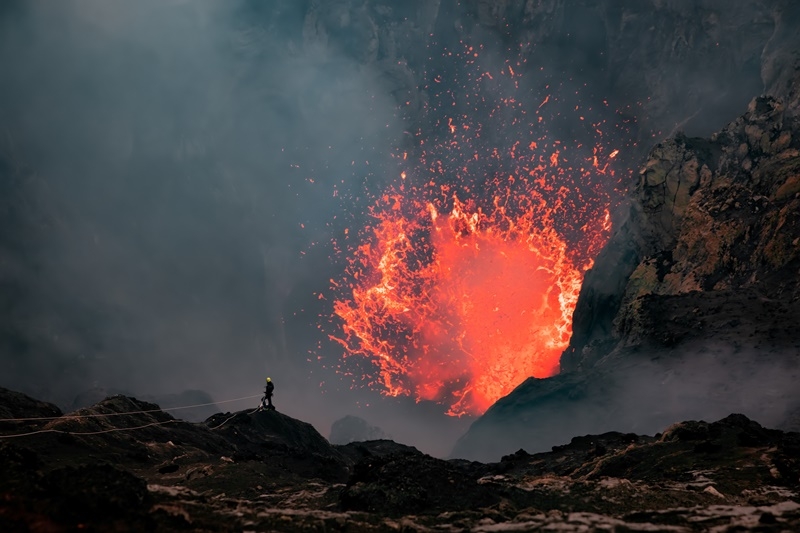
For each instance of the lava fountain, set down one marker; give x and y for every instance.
(464, 282)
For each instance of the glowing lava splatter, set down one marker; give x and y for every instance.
(464, 284)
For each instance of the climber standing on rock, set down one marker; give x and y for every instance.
(266, 401)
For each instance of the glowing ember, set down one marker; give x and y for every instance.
(465, 284)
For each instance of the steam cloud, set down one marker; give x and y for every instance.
(707, 380)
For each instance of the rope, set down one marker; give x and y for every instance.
(231, 417)
(85, 432)
(69, 416)
(113, 429)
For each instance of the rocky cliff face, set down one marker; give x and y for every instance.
(669, 64)
(713, 216)
(682, 65)
(690, 308)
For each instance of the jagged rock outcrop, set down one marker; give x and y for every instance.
(358, 451)
(264, 435)
(202, 405)
(714, 216)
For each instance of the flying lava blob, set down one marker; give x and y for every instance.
(463, 283)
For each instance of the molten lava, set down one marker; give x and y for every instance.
(458, 304)
(464, 283)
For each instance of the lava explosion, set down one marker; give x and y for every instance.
(464, 284)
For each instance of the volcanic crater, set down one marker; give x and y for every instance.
(591, 245)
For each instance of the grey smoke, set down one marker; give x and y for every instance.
(644, 394)
(355, 429)
(178, 163)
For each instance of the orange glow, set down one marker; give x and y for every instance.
(458, 302)
(464, 307)
(463, 281)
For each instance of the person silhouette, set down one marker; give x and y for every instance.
(266, 401)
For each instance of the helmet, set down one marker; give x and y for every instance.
(269, 379)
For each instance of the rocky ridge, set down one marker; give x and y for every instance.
(126, 465)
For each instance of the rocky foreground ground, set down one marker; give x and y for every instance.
(125, 465)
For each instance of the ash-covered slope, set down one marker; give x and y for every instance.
(124, 465)
(690, 310)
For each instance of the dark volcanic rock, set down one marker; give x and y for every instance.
(105, 428)
(202, 402)
(19, 467)
(265, 471)
(17, 405)
(691, 66)
(356, 451)
(541, 413)
(102, 495)
(717, 217)
(263, 435)
(270, 430)
(413, 483)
